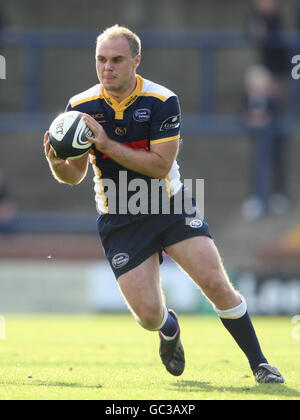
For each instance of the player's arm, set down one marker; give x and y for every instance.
(155, 163)
(65, 171)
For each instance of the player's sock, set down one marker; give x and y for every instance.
(244, 334)
(170, 327)
(237, 321)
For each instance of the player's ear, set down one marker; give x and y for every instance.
(137, 60)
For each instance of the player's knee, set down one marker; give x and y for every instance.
(150, 318)
(215, 282)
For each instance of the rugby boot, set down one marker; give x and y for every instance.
(267, 374)
(171, 351)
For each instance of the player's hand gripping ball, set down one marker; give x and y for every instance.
(68, 135)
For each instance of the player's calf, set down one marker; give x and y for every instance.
(237, 321)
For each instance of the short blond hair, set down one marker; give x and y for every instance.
(117, 31)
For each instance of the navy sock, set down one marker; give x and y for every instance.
(243, 332)
(170, 327)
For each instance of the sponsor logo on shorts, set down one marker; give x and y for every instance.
(142, 115)
(119, 260)
(196, 223)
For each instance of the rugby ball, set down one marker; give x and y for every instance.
(68, 135)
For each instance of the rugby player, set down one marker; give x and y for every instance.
(136, 128)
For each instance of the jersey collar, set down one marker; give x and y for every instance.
(120, 108)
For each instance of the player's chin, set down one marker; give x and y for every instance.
(110, 84)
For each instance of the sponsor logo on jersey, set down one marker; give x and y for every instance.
(131, 100)
(119, 260)
(196, 223)
(99, 117)
(108, 100)
(121, 131)
(142, 115)
(170, 123)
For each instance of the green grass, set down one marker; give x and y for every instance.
(109, 357)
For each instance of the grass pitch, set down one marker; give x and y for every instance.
(109, 357)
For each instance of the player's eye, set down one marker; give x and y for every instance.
(117, 59)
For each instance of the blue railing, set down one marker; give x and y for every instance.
(205, 120)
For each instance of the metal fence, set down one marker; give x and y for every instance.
(207, 45)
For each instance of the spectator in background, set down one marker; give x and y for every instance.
(264, 105)
(264, 27)
(7, 210)
(260, 111)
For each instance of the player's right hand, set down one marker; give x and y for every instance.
(49, 152)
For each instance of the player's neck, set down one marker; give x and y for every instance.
(122, 94)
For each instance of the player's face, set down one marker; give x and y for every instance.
(115, 65)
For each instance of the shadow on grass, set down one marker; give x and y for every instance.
(266, 389)
(45, 384)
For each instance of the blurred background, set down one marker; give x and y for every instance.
(230, 64)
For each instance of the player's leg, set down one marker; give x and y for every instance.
(132, 248)
(141, 288)
(199, 257)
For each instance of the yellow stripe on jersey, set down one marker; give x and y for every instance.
(155, 95)
(98, 181)
(164, 140)
(168, 186)
(82, 101)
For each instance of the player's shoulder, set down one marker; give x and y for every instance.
(91, 94)
(155, 90)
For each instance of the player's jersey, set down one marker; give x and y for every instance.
(150, 115)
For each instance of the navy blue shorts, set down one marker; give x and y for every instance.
(128, 240)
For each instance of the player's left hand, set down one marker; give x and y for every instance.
(100, 138)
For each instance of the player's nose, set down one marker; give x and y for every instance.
(108, 66)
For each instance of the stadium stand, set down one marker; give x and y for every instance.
(48, 52)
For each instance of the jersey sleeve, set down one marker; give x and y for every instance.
(165, 121)
(69, 107)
